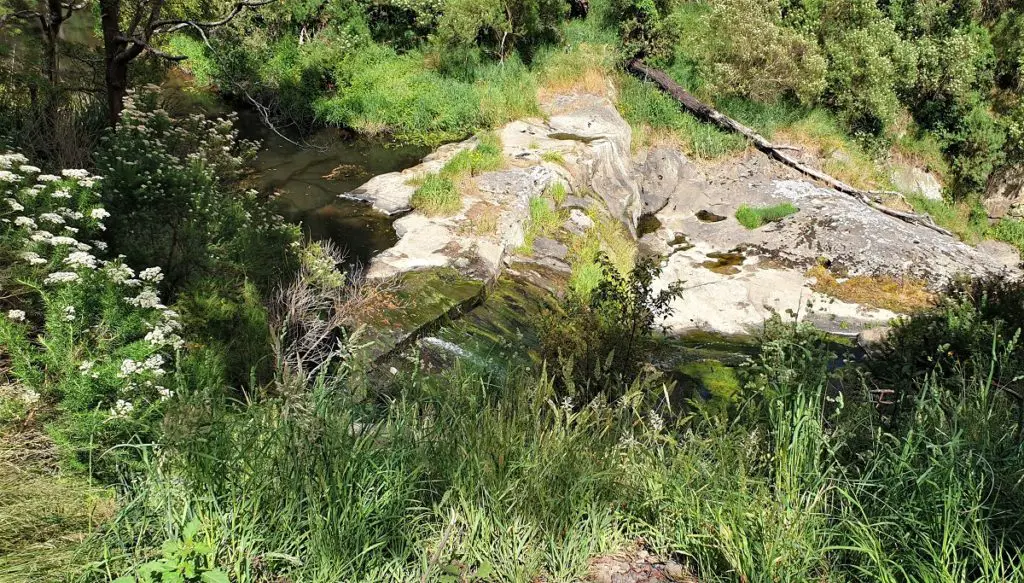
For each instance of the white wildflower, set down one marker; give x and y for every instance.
(41, 236)
(29, 169)
(393, 370)
(567, 404)
(52, 218)
(86, 366)
(62, 193)
(102, 246)
(16, 315)
(122, 408)
(164, 393)
(69, 313)
(71, 230)
(24, 222)
(33, 258)
(87, 182)
(154, 364)
(147, 298)
(151, 274)
(80, 259)
(47, 178)
(61, 277)
(129, 367)
(8, 176)
(119, 273)
(99, 213)
(9, 160)
(62, 240)
(15, 205)
(83, 246)
(75, 173)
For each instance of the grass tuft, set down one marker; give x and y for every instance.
(437, 196)
(754, 217)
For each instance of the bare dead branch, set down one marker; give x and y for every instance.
(708, 113)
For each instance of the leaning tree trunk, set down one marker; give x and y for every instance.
(710, 114)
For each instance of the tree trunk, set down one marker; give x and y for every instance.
(708, 113)
(579, 8)
(115, 78)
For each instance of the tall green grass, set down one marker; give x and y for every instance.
(462, 473)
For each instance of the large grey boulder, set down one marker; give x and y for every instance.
(607, 167)
(915, 181)
(388, 193)
(1004, 196)
(664, 172)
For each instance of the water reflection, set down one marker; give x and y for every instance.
(309, 177)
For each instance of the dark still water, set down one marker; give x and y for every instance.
(308, 179)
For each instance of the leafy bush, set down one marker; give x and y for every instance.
(868, 63)
(974, 334)
(645, 27)
(87, 336)
(751, 53)
(753, 217)
(601, 343)
(171, 188)
(499, 27)
(1011, 231)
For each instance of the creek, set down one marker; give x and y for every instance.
(308, 180)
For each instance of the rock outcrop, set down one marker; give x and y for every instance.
(1005, 194)
(735, 278)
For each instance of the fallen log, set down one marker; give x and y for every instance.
(710, 114)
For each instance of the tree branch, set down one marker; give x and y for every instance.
(22, 15)
(708, 113)
(175, 25)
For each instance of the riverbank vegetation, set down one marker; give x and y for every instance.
(185, 391)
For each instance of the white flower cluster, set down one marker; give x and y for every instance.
(153, 365)
(122, 408)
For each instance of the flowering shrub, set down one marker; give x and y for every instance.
(171, 186)
(88, 334)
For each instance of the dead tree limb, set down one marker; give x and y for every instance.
(710, 114)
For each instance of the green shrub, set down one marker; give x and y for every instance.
(601, 343)
(749, 52)
(754, 217)
(171, 186)
(89, 338)
(437, 195)
(645, 28)
(1011, 231)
